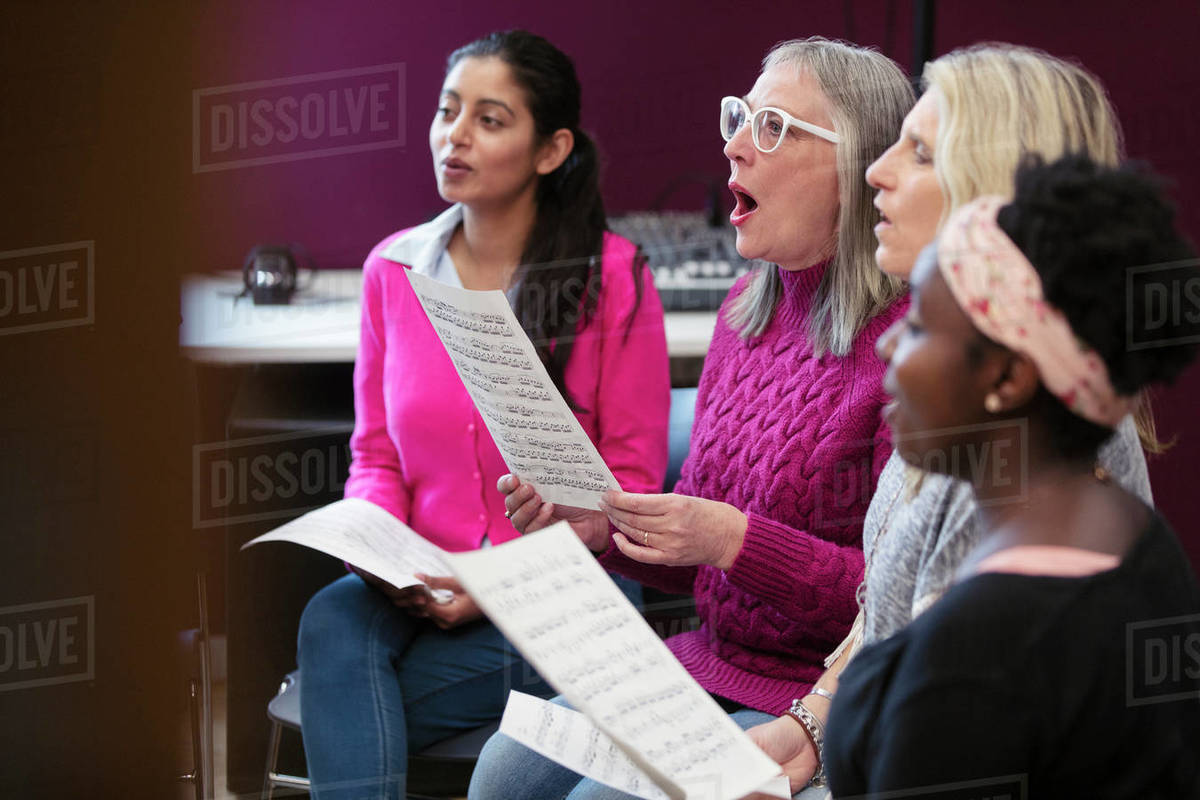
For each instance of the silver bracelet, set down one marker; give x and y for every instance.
(819, 692)
(816, 732)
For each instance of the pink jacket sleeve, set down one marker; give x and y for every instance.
(633, 392)
(376, 473)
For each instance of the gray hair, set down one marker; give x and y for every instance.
(868, 96)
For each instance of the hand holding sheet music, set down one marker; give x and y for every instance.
(552, 600)
(533, 427)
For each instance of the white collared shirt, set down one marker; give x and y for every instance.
(425, 248)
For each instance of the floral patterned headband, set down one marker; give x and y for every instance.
(1001, 292)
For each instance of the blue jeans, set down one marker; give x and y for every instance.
(510, 771)
(378, 684)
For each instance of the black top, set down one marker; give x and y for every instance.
(1036, 687)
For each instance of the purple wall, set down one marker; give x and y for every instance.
(1145, 54)
(652, 79)
(100, 420)
(652, 75)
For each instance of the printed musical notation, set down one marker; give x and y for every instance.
(569, 738)
(534, 429)
(361, 533)
(554, 602)
(490, 324)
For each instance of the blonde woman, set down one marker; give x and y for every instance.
(759, 531)
(984, 109)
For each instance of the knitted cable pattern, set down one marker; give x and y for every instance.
(796, 442)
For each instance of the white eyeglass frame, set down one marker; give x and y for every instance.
(788, 120)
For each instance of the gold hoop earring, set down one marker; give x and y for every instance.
(993, 403)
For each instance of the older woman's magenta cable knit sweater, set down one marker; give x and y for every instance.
(796, 442)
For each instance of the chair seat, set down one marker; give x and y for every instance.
(284, 707)
(440, 770)
(444, 769)
(462, 747)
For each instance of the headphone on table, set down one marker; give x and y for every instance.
(270, 273)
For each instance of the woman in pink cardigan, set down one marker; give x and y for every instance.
(765, 527)
(386, 671)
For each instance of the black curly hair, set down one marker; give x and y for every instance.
(1104, 242)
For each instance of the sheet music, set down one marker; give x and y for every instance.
(569, 738)
(533, 427)
(370, 538)
(551, 599)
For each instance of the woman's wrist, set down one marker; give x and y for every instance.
(818, 701)
(739, 524)
(814, 729)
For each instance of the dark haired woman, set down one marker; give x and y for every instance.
(387, 672)
(1030, 670)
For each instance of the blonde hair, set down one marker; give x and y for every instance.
(999, 104)
(868, 96)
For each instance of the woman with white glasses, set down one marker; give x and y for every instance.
(765, 526)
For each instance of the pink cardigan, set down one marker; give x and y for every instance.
(422, 451)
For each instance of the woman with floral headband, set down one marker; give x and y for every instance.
(1029, 675)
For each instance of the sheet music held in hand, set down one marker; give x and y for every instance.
(369, 537)
(533, 427)
(551, 599)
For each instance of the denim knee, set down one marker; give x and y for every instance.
(494, 768)
(339, 613)
(507, 770)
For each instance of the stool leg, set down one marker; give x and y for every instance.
(268, 790)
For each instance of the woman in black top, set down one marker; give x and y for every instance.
(1066, 660)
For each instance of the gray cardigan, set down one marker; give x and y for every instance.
(930, 534)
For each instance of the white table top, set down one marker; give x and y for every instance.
(320, 325)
